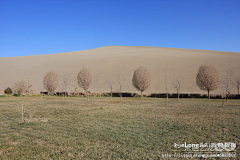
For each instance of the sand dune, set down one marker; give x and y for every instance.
(107, 60)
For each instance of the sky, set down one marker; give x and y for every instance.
(35, 27)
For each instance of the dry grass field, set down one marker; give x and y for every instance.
(104, 128)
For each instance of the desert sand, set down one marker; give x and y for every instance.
(106, 61)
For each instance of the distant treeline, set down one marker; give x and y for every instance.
(190, 95)
(152, 95)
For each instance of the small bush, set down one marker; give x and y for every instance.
(232, 96)
(195, 96)
(174, 95)
(218, 97)
(137, 95)
(8, 91)
(16, 95)
(106, 95)
(183, 95)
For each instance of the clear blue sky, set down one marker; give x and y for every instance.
(36, 27)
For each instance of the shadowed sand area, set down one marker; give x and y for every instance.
(113, 59)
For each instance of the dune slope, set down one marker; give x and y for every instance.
(107, 61)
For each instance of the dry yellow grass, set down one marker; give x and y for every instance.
(103, 128)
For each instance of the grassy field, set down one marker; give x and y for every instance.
(104, 128)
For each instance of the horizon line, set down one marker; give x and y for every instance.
(118, 46)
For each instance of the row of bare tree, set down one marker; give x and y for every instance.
(51, 82)
(207, 79)
(141, 81)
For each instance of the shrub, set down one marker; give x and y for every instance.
(184, 95)
(144, 95)
(8, 91)
(218, 97)
(106, 95)
(195, 96)
(137, 95)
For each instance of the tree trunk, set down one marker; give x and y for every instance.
(22, 113)
(167, 98)
(227, 96)
(208, 94)
(141, 95)
(111, 92)
(87, 95)
(178, 96)
(223, 102)
(121, 93)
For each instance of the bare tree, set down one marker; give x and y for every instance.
(22, 87)
(168, 85)
(31, 113)
(226, 84)
(23, 109)
(28, 87)
(42, 93)
(177, 84)
(18, 87)
(237, 83)
(141, 79)
(120, 80)
(64, 87)
(50, 82)
(110, 81)
(75, 88)
(84, 80)
(207, 78)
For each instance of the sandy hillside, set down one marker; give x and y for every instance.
(107, 60)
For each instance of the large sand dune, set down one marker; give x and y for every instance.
(119, 59)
